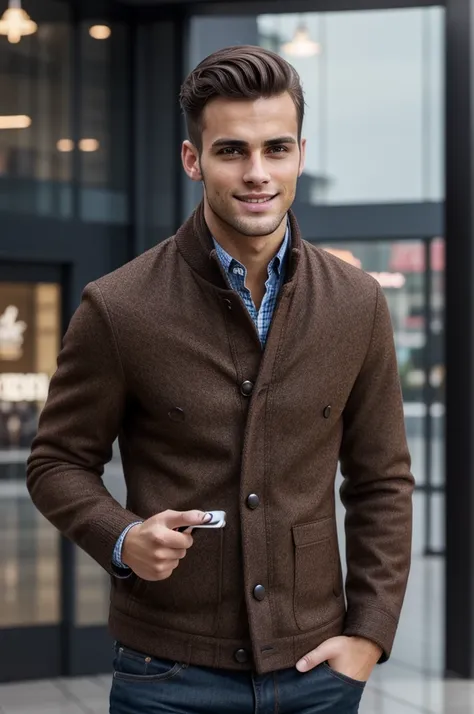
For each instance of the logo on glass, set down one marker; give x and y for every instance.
(11, 334)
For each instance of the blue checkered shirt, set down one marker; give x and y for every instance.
(262, 318)
(237, 275)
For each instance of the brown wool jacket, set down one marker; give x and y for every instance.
(163, 337)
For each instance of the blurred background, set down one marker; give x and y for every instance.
(90, 176)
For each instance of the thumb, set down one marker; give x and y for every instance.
(175, 519)
(327, 650)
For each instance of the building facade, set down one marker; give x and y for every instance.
(90, 176)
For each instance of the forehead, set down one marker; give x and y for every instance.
(251, 120)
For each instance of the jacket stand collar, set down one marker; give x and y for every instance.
(195, 244)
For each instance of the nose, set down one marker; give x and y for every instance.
(256, 172)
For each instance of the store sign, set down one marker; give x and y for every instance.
(346, 255)
(409, 257)
(11, 334)
(24, 387)
(385, 279)
(390, 280)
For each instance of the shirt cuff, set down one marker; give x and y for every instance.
(122, 570)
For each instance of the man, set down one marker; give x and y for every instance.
(237, 364)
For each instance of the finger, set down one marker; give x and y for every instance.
(168, 554)
(174, 519)
(327, 650)
(158, 571)
(164, 569)
(185, 529)
(172, 539)
(164, 575)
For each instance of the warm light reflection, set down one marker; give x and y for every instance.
(100, 32)
(89, 145)
(301, 45)
(65, 145)
(15, 22)
(15, 121)
(346, 255)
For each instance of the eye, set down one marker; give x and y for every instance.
(229, 151)
(278, 149)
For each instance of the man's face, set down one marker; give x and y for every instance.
(249, 163)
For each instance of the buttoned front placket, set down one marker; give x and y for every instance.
(255, 371)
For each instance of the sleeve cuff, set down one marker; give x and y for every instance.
(119, 569)
(372, 624)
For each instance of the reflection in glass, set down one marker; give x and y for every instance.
(30, 321)
(15, 22)
(374, 89)
(103, 142)
(437, 363)
(366, 142)
(35, 81)
(93, 583)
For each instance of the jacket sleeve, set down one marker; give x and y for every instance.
(376, 491)
(77, 428)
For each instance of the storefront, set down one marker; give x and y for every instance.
(90, 130)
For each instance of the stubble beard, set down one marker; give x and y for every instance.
(250, 228)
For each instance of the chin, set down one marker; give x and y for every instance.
(258, 228)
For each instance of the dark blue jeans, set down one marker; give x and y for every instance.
(145, 685)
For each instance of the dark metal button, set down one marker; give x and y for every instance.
(241, 656)
(259, 592)
(327, 412)
(253, 501)
(228, 303)
(246, 388)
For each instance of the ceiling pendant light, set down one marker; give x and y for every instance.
(15, 22)
(302, 45)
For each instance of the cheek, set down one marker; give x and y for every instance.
(287, 177)
(221, 178)
(224, 180)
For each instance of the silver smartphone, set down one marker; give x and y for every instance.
(217, 521)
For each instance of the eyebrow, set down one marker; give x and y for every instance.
(237, 143)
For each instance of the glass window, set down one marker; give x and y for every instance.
(30, 321)
(103, 142)
(374, 89)
(39, 136)
(159, 134)
(35, 81)
(437, 364)
(92, 582)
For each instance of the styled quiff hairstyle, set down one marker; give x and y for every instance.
(240, 72)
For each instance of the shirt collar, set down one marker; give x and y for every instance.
(279, 260)
(276, 263)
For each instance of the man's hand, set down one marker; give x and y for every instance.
(153, 549)
(353, 656)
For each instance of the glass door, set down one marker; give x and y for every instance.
(30, 573)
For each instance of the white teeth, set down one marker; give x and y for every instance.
(257, 200)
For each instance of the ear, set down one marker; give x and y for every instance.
(190, 159)
(302, 156)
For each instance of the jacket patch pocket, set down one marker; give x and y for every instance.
(318, 581)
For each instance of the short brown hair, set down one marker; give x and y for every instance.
(240, 72)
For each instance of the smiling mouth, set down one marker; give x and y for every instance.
(256, 200)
